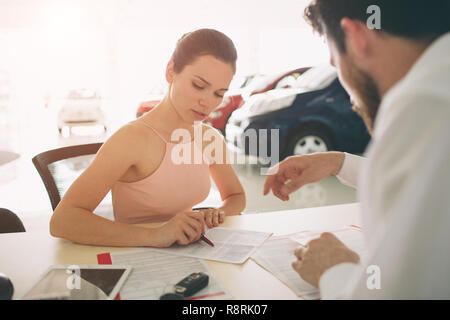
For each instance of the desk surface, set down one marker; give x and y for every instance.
(25, 256)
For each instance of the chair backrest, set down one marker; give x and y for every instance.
(59, 167)
(10, 222)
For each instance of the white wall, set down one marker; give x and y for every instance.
(122, 46)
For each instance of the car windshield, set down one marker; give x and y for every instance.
(316, 78)
(289, 81)
(240, 82)
(259, 82)
(246, 81)
(263, 81)
(82, 94)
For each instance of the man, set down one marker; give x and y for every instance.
(399, 79)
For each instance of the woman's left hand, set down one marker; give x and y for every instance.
(213, 216)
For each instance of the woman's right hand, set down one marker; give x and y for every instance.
(183, 228)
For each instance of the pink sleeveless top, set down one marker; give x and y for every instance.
(171, 189)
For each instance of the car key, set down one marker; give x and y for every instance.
(188, 286)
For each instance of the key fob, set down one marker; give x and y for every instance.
(191, 284)
(171, 296)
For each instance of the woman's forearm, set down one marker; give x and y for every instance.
(84, 227)
(234, 204)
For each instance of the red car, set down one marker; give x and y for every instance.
(219, 118)
(146, 106)
(233, 100)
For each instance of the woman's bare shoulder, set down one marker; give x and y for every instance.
(133, 137)
(127, 138)
(133, 133)
(127, 134)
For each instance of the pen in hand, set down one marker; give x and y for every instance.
(204, 238)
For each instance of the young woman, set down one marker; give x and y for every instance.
(140, 163)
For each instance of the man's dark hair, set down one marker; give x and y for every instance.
(413, 19)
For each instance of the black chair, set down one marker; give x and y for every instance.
(58, 168)
(10, 222)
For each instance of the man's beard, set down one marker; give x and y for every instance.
(367, 97)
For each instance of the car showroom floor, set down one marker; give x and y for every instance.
(23, 192)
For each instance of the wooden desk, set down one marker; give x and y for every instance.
(25, 256)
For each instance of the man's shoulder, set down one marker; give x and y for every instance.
(428, 78)
(423, 97)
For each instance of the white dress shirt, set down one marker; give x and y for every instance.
(404, 190)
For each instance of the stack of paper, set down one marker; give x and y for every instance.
(230, 245)
(155, 274)
(156, 270)
(277, 254)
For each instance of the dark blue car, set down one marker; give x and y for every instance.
(316, 116)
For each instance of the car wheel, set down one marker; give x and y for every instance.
(309, 140)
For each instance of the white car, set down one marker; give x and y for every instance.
(82, 107)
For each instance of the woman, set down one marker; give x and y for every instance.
(140, 162)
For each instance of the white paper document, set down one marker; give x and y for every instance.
(155, 273)
(230, 245)
(351, 236)
(277, 254)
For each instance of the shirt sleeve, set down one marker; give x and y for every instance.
(349, 173)
(408, 203)
(333, 282)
